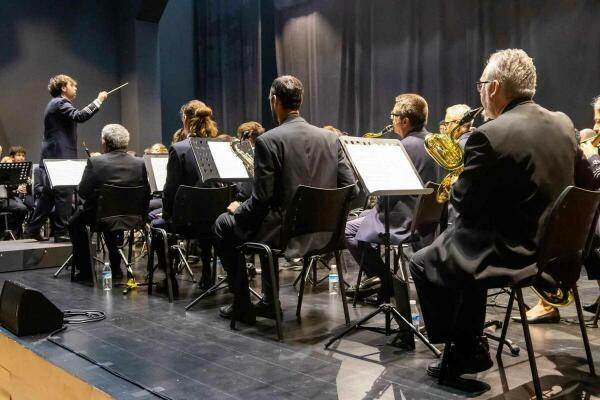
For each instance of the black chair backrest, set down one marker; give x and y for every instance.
(567, 234)
(196, 209)
(315, 220)
(122, 207)
(428, 212)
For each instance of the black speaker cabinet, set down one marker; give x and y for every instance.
(25, 311)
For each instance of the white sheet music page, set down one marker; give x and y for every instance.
(65, 172)
(228, 163)
(159, 168)
(384, 167)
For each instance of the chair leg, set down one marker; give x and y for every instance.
(505, 325)
(150, 263)
(340, 269)
(168, 267)
(530, 353)
(584, 336)
(306, 262)
(275, 288)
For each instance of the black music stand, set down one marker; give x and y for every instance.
(64, 173)
(385, 169)
(13, 174)
(217, 162)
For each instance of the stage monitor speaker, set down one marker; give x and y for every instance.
(151, 10)
(26, 311)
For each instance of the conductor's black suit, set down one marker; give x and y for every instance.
(59, 142)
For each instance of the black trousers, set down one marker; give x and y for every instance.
(18, 210)
(58, 198)
(450, 314)
(227, 236)
(81, 246)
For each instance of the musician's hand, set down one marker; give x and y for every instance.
(102, 96)
(588, 149)
(232, 207)
(22, 188)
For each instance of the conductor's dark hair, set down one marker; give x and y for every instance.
(288, 90)
(57, 82)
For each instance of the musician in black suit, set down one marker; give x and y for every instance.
(60, 142)
(294, 153)
(516, 166)
(409, 117)
(114, 167)
(182, 169)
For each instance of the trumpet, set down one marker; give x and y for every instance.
(375, 135)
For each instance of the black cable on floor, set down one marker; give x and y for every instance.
(73, 317)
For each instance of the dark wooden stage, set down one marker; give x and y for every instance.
(194, 355)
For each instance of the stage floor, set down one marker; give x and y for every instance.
(194, 355)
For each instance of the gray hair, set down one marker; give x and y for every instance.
(515, 71)
(115, 136)
(596, 103)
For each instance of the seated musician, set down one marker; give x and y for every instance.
(502, 204)
(294, 153)
(543, 312)
(250, 131)
(453, 116)
(182, 170)
(18, 197)
(409, 117)
(114, 167)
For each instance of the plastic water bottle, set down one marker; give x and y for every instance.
(106, 277)
(414, 314)
(334, 280)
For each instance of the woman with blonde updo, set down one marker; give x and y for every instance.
(197, 119)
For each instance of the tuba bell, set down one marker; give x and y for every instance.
(446, 151)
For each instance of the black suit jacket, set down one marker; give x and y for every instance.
(294, 153)
(60, 128)
(182, 169)
(516, 166)
(115, 168)
(401, 207)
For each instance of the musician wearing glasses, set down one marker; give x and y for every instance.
(453, 115)
(516, 166)
(409, 117)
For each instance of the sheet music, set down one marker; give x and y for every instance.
(385, 168)
(159, 167)
(228, 163)
(65, 172)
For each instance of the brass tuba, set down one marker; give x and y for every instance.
(446, 151)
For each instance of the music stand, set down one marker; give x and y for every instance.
(217, 162)
(13, 174)
(156, 165)
(64, 173)
(385, 169)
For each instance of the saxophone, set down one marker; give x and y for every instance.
(375, 135)
(243, 149)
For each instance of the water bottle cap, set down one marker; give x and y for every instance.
(411, 302)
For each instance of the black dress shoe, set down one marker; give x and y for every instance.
(464, 362)
(84, 278)
(36, 236)
(553, 317)
(248, 317)
(591, 308)
(62, 239)
(262, 309)
(367, 287)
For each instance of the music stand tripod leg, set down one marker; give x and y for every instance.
(219, 285)
(63, 266)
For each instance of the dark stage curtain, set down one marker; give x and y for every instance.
(355, 56)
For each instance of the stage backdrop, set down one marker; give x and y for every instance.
(355, 56)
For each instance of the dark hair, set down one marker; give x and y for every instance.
(413, 107)
(57, 83)
(14, 150)
(288, 90)
(199, 119)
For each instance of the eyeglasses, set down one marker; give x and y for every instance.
(392, 115)
(480, 85)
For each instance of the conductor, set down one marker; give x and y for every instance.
(59, 142)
